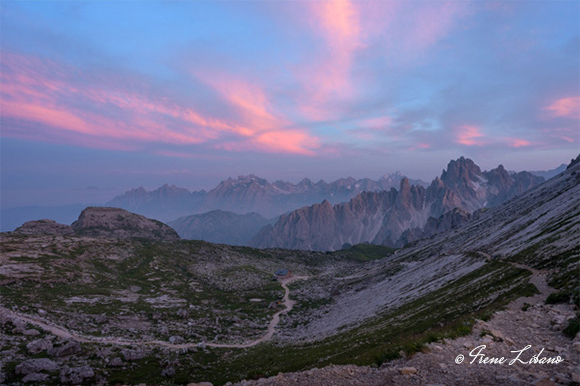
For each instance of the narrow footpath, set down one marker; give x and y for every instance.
(64, 333)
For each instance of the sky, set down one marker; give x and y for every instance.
(97, 97)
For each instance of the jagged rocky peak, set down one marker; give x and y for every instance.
(252, 178)
(460, 172)
(118, 223)
(574, 162)
(172, 189)
(44, 227)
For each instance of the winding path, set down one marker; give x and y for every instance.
(64, 333)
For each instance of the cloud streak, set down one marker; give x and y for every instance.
(565, 107)
(45, 96)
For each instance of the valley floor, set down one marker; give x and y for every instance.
(525, 321)
(64, 333)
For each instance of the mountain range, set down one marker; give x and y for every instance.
(220, 227)
(247, 194)
(382, 217)
(119, 299)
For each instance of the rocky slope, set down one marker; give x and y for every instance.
(247, 194)
(506, 332)
(220, 227)
(382, 217)
(540, 228)
(118, 223)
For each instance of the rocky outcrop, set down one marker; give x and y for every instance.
(118, 223)
(220, 227)
(383, 217)
(44, 227)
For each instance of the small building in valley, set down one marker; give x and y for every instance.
(282, 273)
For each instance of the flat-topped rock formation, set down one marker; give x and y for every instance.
(118, 223)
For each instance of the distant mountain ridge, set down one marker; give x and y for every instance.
(220, 227)
(247, 194)
(547, 174)
(382, 217)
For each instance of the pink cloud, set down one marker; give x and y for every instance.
(43, 95)
(328, 77)
(249, 99)
(378, 123)
(262, 126)
(565, 107)
(519, 143)
(469, 135)
(284, 141)
(335, 76)
(433, 22)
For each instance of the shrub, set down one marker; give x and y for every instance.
(573, 327)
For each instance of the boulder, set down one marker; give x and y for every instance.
(76, 375)
(117, 362)
(176, 340)
(69, 348)
(32, 366)
(39, 345)
(407, 370)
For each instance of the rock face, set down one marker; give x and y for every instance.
(383, 217)
(449, 220)
(44, 227)
(220, 227)
(248, 194)
(118, 223)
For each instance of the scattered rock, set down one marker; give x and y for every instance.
(130, 355)
(32, 366)
(39, 345)
(35, 377)
(76, 375)
(497, 334)
(31, 332)
(69, 348)
(117, 362)
(176, 340)
(407, 370)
